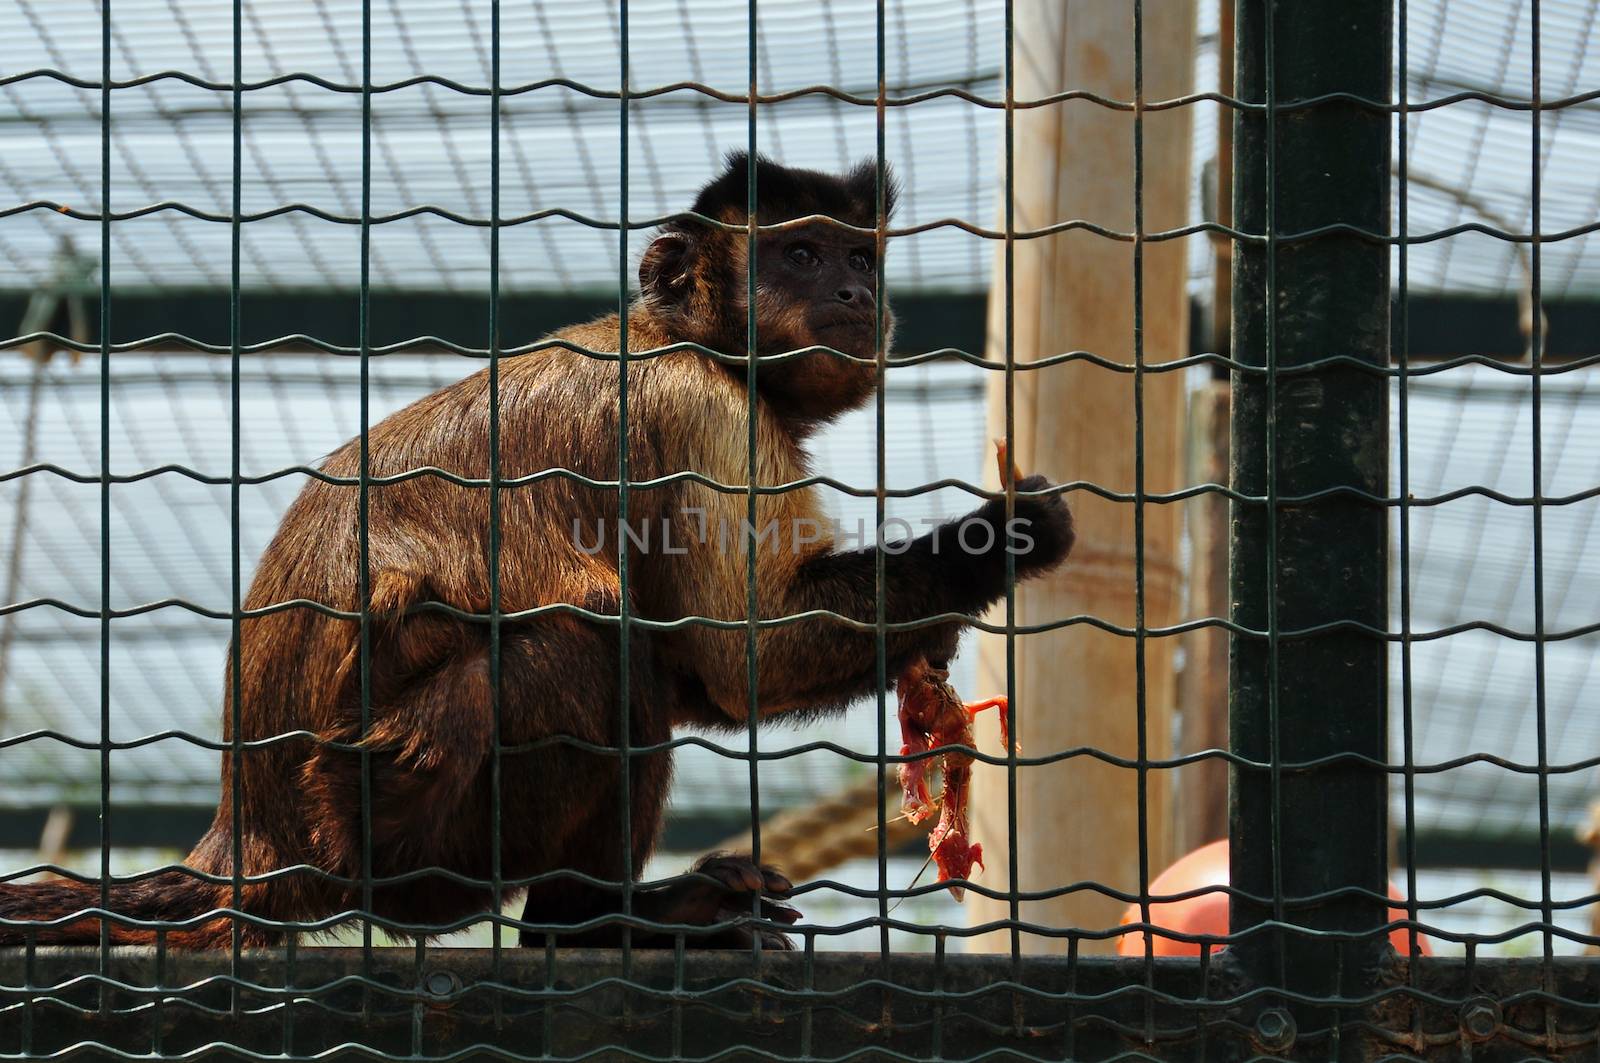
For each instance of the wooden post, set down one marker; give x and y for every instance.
(1202, 791)
(1078, 819)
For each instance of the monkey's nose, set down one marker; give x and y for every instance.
(855, 294)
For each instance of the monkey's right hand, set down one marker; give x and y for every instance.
(1040, 533)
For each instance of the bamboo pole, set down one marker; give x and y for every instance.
(1078, 819)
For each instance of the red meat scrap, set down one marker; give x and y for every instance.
(932, 717)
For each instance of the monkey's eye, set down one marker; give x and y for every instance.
(860, 260)
(802, 255)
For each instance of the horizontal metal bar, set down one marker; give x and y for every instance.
(863, 98)
(1371, 938)
(1291, 904)
(820, 746)
(1287, 634)
(1452, 328)
(145, 826)
(178, 343)
(926, 322)
(928, 487)
(1244, 237)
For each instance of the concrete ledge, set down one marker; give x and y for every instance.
(533, 1003)
(336, 1003)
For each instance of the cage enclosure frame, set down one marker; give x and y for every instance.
(1307, 971)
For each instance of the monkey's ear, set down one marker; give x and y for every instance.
(664, 269)
(863, 183)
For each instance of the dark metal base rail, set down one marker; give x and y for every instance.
(426, 1004)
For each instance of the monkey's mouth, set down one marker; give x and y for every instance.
(852, 322)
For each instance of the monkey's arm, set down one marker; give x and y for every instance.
(958, 567)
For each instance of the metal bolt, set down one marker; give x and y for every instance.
(1275, 1031)
(1480, 1018)
(441, 984)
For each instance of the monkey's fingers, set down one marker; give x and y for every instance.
(732, 872)
(777, 884)
(739, 874)
(744, 931)
(770, 910)
(779, 913)
(736, 884)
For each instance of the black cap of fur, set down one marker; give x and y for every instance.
(784, 193)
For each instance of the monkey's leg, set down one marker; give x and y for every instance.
(430, 743)
(560, 800)
(573, 673)
(427, 738)
(720, 888)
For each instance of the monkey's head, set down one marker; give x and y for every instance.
(816, 283)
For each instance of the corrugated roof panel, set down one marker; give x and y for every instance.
(560, 147)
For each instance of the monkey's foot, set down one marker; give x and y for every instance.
(738, 888)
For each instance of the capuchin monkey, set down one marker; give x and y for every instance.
(430, 687)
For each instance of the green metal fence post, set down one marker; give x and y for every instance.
(1309, 561)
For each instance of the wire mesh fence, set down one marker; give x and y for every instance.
(1409, 609)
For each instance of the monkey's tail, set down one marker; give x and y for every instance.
(167, 897)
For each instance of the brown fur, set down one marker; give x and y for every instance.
(431, 701)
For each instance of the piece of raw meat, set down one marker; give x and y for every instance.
(933, 717)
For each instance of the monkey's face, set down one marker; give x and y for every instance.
(817, 286)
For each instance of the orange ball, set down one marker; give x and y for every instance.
(1208, 912)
